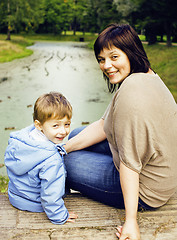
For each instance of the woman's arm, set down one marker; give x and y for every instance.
(92, 134)
(130, 187)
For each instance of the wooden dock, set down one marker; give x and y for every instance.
(95, 221)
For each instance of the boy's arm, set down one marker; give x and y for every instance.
(52, 178)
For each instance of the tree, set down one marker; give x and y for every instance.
(21, 15)
(79, 9)
(58, 16)
(174, 32)
(156, 15)
(91, 16)
(101, 15)
(126, 9)
(107, 13)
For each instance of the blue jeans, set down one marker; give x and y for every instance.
(92, 172)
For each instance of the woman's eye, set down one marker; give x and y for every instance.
(114, 57)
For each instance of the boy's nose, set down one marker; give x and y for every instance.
(62, 130)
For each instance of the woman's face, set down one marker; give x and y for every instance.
(115, 64)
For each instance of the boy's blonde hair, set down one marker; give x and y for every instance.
(50, 106)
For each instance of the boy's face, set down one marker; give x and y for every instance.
(55, 129)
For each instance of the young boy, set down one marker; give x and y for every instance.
(34, 160)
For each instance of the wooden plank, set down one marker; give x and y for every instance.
(96, 221)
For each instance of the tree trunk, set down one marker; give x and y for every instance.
(8, 30)
(168, 27)
(8, 34)
(150, 35)
(74, 26)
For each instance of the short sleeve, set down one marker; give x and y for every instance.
(132, 131)
(106, 112)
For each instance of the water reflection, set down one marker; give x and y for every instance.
(70, 68)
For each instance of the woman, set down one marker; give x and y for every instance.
(140, 125)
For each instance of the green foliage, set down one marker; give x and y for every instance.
(101, 15)
(18, 15)
(125, 8)
(3, 184)
(56, 16)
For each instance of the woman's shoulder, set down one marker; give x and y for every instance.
(141, 79)
(136, 91)
(140, 84)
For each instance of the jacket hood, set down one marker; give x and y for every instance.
(23, 153)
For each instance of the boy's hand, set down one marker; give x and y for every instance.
(72, 216)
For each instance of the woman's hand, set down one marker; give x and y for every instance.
(129, 231)
(130, 187)
(72, 216)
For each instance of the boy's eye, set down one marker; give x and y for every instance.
(67, 124)
(55, 125)
(101, 60)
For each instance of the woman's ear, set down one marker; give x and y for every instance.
(38, 125)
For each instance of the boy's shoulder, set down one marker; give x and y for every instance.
(22, 132)
(23, 144)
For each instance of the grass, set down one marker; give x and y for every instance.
(68, 36)
(16, 48)
(163, 61)
(3, 184)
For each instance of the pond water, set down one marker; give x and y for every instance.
(69, 68)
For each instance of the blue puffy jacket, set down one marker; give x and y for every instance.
(36, 175)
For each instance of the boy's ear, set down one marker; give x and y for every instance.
(38, 125)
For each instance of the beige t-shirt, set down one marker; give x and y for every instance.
(141, 126)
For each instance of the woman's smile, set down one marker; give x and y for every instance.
(111, 74)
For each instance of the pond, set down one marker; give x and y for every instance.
(69, 68)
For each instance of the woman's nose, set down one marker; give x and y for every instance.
(107, 64)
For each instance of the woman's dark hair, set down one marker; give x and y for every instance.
(125, 38)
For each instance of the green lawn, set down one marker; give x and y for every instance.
(163, 62)
(16, 48)
(68, 37)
